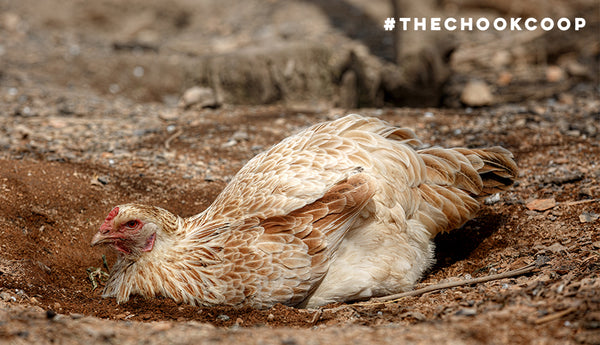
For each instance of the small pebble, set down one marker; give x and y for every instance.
(492, 199)
(114, 88)
(103, 179)
(138, 71)
(466, 312)
(230, 143)
(588, 217)
(50, 314)
(476, 94)
(203, 96)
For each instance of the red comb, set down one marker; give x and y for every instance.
(112, 214)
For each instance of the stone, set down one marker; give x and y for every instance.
(202, 96)
(476, 94)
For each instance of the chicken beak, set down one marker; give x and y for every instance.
(104, 234)
(100, 238)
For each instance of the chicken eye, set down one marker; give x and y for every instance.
(132, 224)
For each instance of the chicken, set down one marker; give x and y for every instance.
(342, 211)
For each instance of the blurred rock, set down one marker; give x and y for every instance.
(501, 59)
(202, 96)
(504, 79)
(10, 21)
(169, 115)
(240, 136)
(476, 94)
(554, 74)
(466, 312)
(556, 248)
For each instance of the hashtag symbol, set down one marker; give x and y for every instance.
(389, 24)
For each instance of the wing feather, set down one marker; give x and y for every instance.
(300, 244)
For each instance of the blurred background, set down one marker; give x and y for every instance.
(200, 53)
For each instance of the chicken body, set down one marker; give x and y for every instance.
(344, 210)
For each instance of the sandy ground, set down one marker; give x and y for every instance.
(73, 145)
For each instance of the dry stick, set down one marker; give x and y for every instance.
(571, 203)
(508, 274)
(517, 272)
(171, 138)
(554, 316)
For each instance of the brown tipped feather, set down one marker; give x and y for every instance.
(499, 169)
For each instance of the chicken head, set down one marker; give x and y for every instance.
(127, 233)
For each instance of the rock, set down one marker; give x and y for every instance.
(501, 59)
(223, 317)
(466, 312)
(7, 297)
(169, 115)
(504, 79)
(492, 199)
(476, 94)
(22, 131)
(10, 21)
(588, 217)
(240, 136)
(202, 96)
(556, 248)
(554, 74)
(541, 204)
(230, 143)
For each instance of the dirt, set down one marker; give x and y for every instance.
(73, 145)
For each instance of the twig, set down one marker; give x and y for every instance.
(316, 316)
(519, 271)
(579, 202)
(105, 263)
(171, 138)
(392, 298)
(554, 316)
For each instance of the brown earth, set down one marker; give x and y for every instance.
(72, 147)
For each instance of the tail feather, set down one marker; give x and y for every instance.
(498, 171)
(456, 180)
